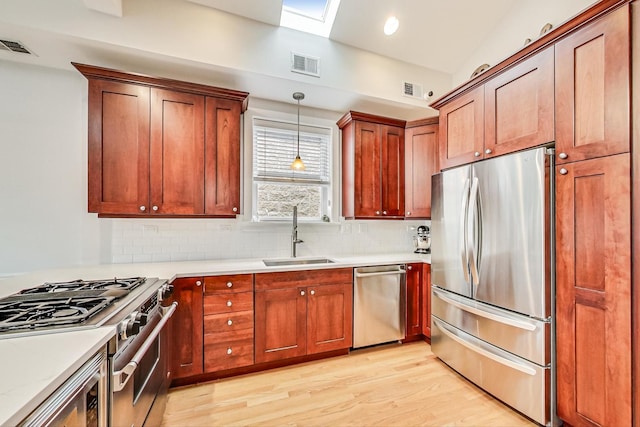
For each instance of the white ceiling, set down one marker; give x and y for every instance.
(436, 34)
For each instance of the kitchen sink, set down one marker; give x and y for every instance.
(302, 261)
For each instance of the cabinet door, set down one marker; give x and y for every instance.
(414, 303)
(518, 106)
(392, 170)
(329, 317)
(177, 153)
(593, 314)
(426, 300)
(592, 89)
(420, 144)
(367, 178)
(222, 157)
(462, 129)
(187, 340)
(118, 147)
(281, 324)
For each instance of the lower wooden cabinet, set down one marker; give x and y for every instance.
(593, 314)
(186, 341)
(302, 312)
(425, 297)
(418, 300)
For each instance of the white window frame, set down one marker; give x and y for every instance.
(326, 186)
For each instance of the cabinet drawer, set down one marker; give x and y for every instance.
(227, 303)
(228, 284)
(227, 354)
(225, 322)
(296, 279)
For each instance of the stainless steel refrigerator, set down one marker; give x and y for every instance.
(492, 272)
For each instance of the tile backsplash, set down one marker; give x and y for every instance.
(147, 240)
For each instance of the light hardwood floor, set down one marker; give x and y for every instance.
(394, 385)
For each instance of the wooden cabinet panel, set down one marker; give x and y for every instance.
(228, 322)
(118, 147)
(426, 300)
(222, 157)
(593, 89)
(187, 340)
(414, 302)
(228, 284)
(421, 157)
(392, 171)
(281, 324)
(519, 106)
(462, 129)
(177, 153)
(226, 303)
(329, 317)
(593, 315)
(303, 278)
(227, 353)
(367, 183)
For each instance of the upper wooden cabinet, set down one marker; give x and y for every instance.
(373, 172)
(162, 147)
(420, 162)
(593, 89)
(461, 138)
(511, 111)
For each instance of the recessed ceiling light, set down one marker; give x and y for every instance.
(391, 26)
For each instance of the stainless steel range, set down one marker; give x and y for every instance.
(134, 375)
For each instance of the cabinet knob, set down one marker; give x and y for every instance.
(229, 351)
(313, 292)
(302, 293)
(563, 155)
(563, 171)
(198, 283)
(487, 151)
(377, 212)
(229, 285)
(409, 267)
(409, 213)
(384, 212)
(155, 208)
(235, 209)
(477, 154)
(229, 322)
(229, 303)
(143, 208)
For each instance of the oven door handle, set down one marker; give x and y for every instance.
(130, 368)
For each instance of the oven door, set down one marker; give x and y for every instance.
(138, 372)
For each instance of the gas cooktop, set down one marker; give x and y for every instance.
(74, 304)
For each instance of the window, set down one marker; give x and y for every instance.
(276, 187)
(311, 16)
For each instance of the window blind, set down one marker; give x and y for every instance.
(275, 147)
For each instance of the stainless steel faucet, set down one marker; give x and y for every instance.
(294, 232)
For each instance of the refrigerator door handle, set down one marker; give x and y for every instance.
(471, 243)
(484, 352)
(463, 240)
(482, 313)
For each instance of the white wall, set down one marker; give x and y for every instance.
(43, 175)
(524, 20)
(43, 192)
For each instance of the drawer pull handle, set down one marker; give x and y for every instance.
(313, 292)
(563, 171)
(229, 303)
(229, 351)
(229, 322)
(563, 155)
(477, 154)
(229, 285)
(302, 293)
(198, 283)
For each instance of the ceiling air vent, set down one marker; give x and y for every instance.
(412, 90)
(305, 64)
(14, 46)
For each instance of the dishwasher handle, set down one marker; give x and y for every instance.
(380, 273)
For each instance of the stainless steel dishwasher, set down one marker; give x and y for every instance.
(379, 305)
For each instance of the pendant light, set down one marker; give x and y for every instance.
(297, 163)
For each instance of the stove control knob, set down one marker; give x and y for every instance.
(142, 319)
(130, 326)
(165, 292)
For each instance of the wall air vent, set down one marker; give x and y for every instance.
(412, 90)
(305, 64)
(14, 46)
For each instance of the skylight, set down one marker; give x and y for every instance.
(311, 16)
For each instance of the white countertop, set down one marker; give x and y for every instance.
(33, 367)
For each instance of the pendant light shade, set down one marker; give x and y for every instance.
(298, 164)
